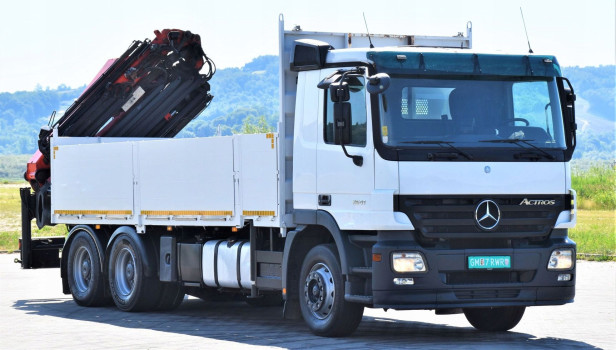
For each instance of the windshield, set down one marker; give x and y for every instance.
(471, 112)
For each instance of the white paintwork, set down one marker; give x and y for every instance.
(258, 178)
(226, 262)
(217, 181)
(304, 147)
(91, 178)
(185, 175)
(470, 178)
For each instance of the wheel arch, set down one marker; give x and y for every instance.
(315, 227)
(100, 248)
(150, 265)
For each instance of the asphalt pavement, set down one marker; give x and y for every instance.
(34, 314)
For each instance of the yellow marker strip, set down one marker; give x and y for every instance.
(269, 135)
(259, 213)
(187, 212)
(93, 212)
(55, 148)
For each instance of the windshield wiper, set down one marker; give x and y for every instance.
(433, 156)
(526, 142)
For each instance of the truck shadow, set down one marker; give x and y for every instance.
(240, 323)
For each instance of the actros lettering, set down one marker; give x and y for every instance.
(527, 201)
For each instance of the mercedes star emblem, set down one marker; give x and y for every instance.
(487, 214)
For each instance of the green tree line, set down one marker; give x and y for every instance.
(250, 95)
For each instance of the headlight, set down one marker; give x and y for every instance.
(408, 262)
(561, 259)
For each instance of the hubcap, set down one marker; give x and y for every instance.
(82, 269)
(125, 273)
(319, 290)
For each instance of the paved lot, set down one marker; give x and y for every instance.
(34, 314)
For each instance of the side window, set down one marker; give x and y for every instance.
(358, 113)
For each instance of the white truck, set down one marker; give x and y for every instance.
(408, 172)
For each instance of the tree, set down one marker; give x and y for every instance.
(254, 125)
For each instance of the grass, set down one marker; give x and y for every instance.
(596, 187)
(595, 234)
(10, 219)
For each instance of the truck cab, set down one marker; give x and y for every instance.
(446, 168)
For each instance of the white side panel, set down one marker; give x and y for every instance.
(469, 178)
(385, 174)
(258, 177)
(304, 148)
(186, 178)
(92, 182)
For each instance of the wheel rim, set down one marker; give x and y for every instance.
(125, 273)
(319, 291)
(82, 269)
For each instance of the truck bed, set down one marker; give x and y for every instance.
(215, 181)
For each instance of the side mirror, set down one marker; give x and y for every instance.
(567, 101)
(378, 83)
(339, 91)
(342, 123)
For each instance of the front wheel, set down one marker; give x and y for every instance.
(494, 319)
(321, 295)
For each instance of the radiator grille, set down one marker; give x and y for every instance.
(454, 217)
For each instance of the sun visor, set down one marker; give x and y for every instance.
(309, 54)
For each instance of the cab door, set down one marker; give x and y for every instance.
(343, 188)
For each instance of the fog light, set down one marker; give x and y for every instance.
(408, 262)
(404, 281)
(561, 259)
(564, 277)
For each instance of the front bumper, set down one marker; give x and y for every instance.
(448, 283)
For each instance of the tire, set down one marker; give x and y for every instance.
(494, 319)
(171, 296)
(130, 288)
(321, 295)
(85, 277)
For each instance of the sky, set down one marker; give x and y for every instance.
(48, 43)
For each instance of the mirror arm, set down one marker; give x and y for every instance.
(357, 160)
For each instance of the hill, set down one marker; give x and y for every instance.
(252, 91)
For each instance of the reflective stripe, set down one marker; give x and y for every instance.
(187, 212)
(93, 212)
(259, 213)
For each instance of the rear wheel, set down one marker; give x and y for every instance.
(321, 295)
(130, 288)
(85, 277)
(494, 319)
(171, 296)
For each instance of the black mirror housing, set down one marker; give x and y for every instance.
(342, 123)
(567, 102)
(339, 91)
(378, 83)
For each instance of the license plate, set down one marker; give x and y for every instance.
(489, 262)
